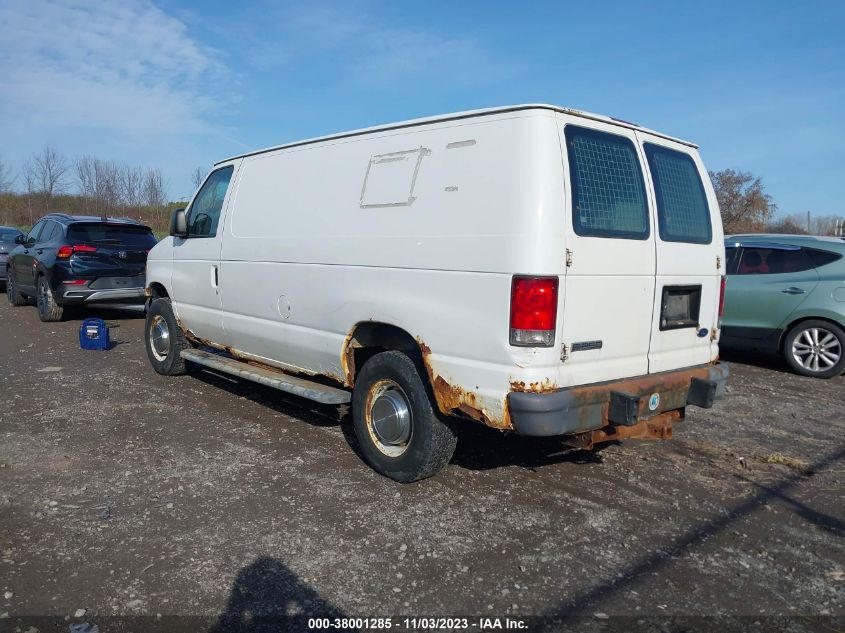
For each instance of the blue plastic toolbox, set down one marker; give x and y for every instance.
(94, 334)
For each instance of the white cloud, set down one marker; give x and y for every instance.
(372, 51)
(126, 67)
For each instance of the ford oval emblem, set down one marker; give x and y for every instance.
(702, 332)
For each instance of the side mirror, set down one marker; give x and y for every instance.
(178, 223)
(20, 239)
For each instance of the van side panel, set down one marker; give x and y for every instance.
(310, 250)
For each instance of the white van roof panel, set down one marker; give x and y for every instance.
(463, 115)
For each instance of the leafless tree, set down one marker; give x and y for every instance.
(99, 183)
(791, 224)
(824, 224)
(46, 174)
(132, 186)
(6, 178)
(154, 190)
(197, 176)
(744, 203)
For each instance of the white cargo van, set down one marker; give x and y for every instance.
(534, 268)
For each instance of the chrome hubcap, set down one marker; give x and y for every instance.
(389, 418)
(159, 338)
(816, 349)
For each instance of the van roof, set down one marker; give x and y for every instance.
(463, 115)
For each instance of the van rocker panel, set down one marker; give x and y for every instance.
(586, 408)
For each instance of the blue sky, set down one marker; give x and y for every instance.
(759, 85)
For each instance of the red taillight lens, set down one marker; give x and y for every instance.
(722, 297)
(74, 282)
(66, 251)
(533, 311)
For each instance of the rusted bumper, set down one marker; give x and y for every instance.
(631, 402)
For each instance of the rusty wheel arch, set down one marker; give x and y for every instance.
(157, 291)
(368, 338)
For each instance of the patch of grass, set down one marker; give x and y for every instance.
(789, 462)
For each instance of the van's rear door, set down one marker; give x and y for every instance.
(690, 255)
(610, 276)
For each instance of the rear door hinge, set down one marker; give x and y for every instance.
(564, 352)
(568, 258)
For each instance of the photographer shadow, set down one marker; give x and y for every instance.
(267, 596)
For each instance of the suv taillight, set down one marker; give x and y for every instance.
(722, 296)
(533, 311)
(66, 251)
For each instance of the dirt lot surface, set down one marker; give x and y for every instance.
(124, 493)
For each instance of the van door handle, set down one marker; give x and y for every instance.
(214, 277)
(792, 290)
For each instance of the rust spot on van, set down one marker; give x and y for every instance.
(347, 358)
(658, 427)
(452, 398)
(244, 358)
(543, 386)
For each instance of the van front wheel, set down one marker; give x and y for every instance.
(164, 339)
(399, 433)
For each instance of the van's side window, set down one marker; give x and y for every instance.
(204, 213)
(682, 211)
(608, 194)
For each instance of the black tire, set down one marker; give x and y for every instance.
(49, 310)
(14, 297)
(417, 453)
(164, 339)
(815, 348)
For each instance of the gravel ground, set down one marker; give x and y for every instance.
(128, 499)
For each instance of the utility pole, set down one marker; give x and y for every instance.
(808, 221)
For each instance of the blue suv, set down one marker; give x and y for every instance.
(75, 260)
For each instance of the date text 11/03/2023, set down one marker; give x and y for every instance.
(486, 623)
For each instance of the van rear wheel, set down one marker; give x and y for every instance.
(399, 433)
(164, 339)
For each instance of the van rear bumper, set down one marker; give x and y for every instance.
(626, 402)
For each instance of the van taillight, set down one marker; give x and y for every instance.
(722, 297)
(533, 311)
(66, 251)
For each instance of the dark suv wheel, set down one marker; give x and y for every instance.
(12, 295)
(48, 308)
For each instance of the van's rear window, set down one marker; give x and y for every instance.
(140, 236)
(682, 211)
(608, 194)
